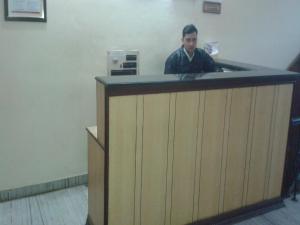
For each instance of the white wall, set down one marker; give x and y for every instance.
(47, 90)
(263, 32)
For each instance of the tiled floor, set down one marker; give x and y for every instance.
(69, 207)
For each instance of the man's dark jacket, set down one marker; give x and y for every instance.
(178, 62)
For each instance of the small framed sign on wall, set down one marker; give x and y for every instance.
(212, 7)
(25, 10)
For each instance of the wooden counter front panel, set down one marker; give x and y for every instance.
(179, 157)
(95, 181)
(154, 158)
(279, 140)
(122, 150)
(264, 100)
(240, 110)
(184, 157)
(211, 152)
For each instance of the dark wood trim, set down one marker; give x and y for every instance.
(286, 179)
(106, 159)
(241, 75)
(293, 135)
(136, 89)
(236, 66)
(224, 64)
(242, 213)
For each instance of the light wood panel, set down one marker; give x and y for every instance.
(138, 159)
(249, 145)
(95, 179)
(100, 96)
(280, 128)
(271, 141)
(122, 147)
(154, 161)
(237, 145)
(212, 147)
(170, 158)
(225, 149)
(180, 157)
(198, 154)
(260, 143)
(185, 142)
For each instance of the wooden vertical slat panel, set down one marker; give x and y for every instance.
(138, 159)
(96, 181)
(92, 189)
(260, 143)
(100, 97)
(185, 142)
(281, 126)
(249, 145)
(154, 161)
(212, 145)
(271, 142)
(225, 150)
(122, 146)
(171, 128)
(237, 146)
(201, 110)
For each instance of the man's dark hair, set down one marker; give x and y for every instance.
(188, 29)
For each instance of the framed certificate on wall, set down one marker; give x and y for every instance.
(25, 10)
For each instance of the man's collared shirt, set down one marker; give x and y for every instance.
(187, 54)
(179, 62)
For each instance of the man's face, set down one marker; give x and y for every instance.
(189, 42)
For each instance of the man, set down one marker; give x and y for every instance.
(189, 58)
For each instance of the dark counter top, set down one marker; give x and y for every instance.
(240, 75)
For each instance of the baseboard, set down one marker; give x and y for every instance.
(31, 190)
(244, 213)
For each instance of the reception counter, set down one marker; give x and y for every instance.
(189, 148)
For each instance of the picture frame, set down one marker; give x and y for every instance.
(25, 10)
